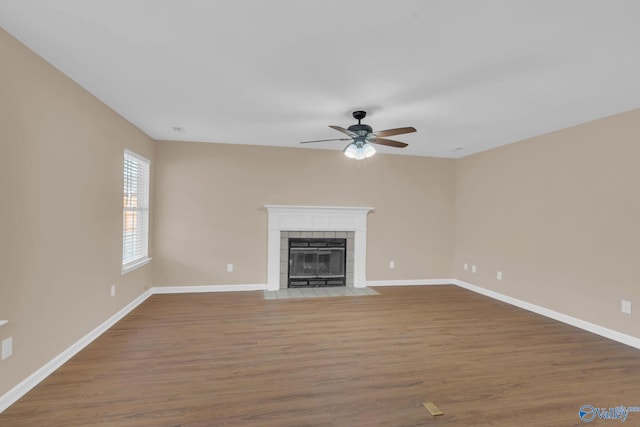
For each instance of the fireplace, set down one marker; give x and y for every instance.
(317, 262)
(289, 222)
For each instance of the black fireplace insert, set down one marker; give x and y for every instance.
(317, 262)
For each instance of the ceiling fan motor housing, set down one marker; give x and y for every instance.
(362, 130)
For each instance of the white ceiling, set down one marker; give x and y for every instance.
(468, 74)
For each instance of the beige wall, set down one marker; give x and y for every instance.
(60, 221)
(559, 215)
(210, 198)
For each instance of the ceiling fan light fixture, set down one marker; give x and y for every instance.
(359, 150)
(350, 151)
(368, 150)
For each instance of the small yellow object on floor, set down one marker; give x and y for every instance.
(433, 409)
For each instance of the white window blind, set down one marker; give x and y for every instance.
(135, 212)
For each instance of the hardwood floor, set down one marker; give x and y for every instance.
(235, 359)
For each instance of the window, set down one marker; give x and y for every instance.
(135, 212)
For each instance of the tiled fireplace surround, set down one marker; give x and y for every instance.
(287, 221)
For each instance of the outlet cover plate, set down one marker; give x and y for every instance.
(7, 348)
(626, 307)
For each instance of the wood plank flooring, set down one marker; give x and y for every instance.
(235, 359)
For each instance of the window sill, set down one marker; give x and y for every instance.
(132, 266)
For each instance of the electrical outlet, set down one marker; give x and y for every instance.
(229, 268)
(113, 290)
(466, 266)
(392, 264)
(7, 348)
(499, 275)
(626, 307)
(473, 268)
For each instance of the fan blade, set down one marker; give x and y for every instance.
(325, 140)
(345, 131)
(389, 142)
(397, 131)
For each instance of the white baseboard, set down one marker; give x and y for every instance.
(34, 379)
(207, 288)
(423, 282)
(570, 320)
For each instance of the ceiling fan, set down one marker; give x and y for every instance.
(362, 136)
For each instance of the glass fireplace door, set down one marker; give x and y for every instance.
(316, 262)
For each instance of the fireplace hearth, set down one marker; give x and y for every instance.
(316, 262)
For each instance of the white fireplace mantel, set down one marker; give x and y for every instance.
(316, 218)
